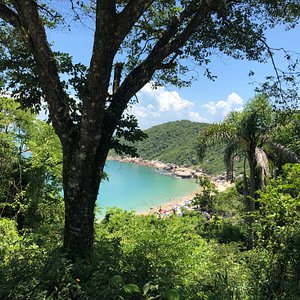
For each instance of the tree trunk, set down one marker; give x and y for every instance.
(252, 179)
(252, 190)
(81, 178)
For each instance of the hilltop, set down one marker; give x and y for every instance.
(175, 142)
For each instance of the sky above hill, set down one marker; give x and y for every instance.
(206, 100)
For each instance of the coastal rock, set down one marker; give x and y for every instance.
(169, 167)
(159, 165)
(198, 174)
(183, 173)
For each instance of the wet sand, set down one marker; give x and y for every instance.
(166, 207)
(169, 205)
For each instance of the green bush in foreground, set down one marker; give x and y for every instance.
(135, 257)
(145, 257)
(277, 228)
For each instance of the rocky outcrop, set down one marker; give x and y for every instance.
(171, 169)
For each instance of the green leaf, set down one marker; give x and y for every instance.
(116, 280)
(131, 288)
(172, 295)
(147, 287)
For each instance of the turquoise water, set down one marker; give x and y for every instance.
(139, 188)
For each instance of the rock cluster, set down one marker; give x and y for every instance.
(166, 168)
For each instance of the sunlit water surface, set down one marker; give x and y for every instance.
(139, 188)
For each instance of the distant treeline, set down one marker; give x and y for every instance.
(175, 142)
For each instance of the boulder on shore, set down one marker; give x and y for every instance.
(159, 165)
(183, 173)
(198, 174)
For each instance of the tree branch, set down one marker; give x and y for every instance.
(117, 77)
(270, 53)
(9, 16)
(34, 32)
(98, 78)
(104, 50)
(168, 44)
(129, 16)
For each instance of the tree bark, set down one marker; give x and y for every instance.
(252, 190)
(81, 180)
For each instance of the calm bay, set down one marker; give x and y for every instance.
(139, 188)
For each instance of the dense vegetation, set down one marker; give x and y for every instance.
(201, 254)
(174, 142)
(133, 43)
(180, 257)
(30, 164)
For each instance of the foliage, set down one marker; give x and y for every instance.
(135, 257)
(277, 229)
(250, 134)
(229, 203)
(223, 213)
(180, 257)
(287, 133)
(134, 43)
(171, 142)
(143, 257)
(204, 199)
(30, 162)
(174, 142)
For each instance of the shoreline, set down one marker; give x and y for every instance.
(168, 206)
(180, 172)
(170, 169)
(177, 203)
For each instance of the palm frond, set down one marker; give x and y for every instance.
(263, 164)
(211, 135)
(229, 154)
(283, 154)
(262, 161)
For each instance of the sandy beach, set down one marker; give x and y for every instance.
(167, 207)
(170, 204)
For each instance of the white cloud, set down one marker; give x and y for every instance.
(234, 98)
(210, 107)
(169, 101)
(158, 105)
(221, 108)
(166, 100)
(139, 112)
(196, 117)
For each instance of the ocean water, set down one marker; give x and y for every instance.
(139, 188)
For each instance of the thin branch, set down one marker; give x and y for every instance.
(129, 16)
(163, 48)
(9, 16)
(274, 67)
(34, 32)
(48, 12)
(271, 55)
(117, 77)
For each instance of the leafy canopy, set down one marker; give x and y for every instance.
(30, 164)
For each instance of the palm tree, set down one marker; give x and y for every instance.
(249, 134)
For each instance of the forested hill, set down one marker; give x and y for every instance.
(175, 142)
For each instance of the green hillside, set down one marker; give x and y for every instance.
(175, 142)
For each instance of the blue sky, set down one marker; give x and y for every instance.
(205, 100)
